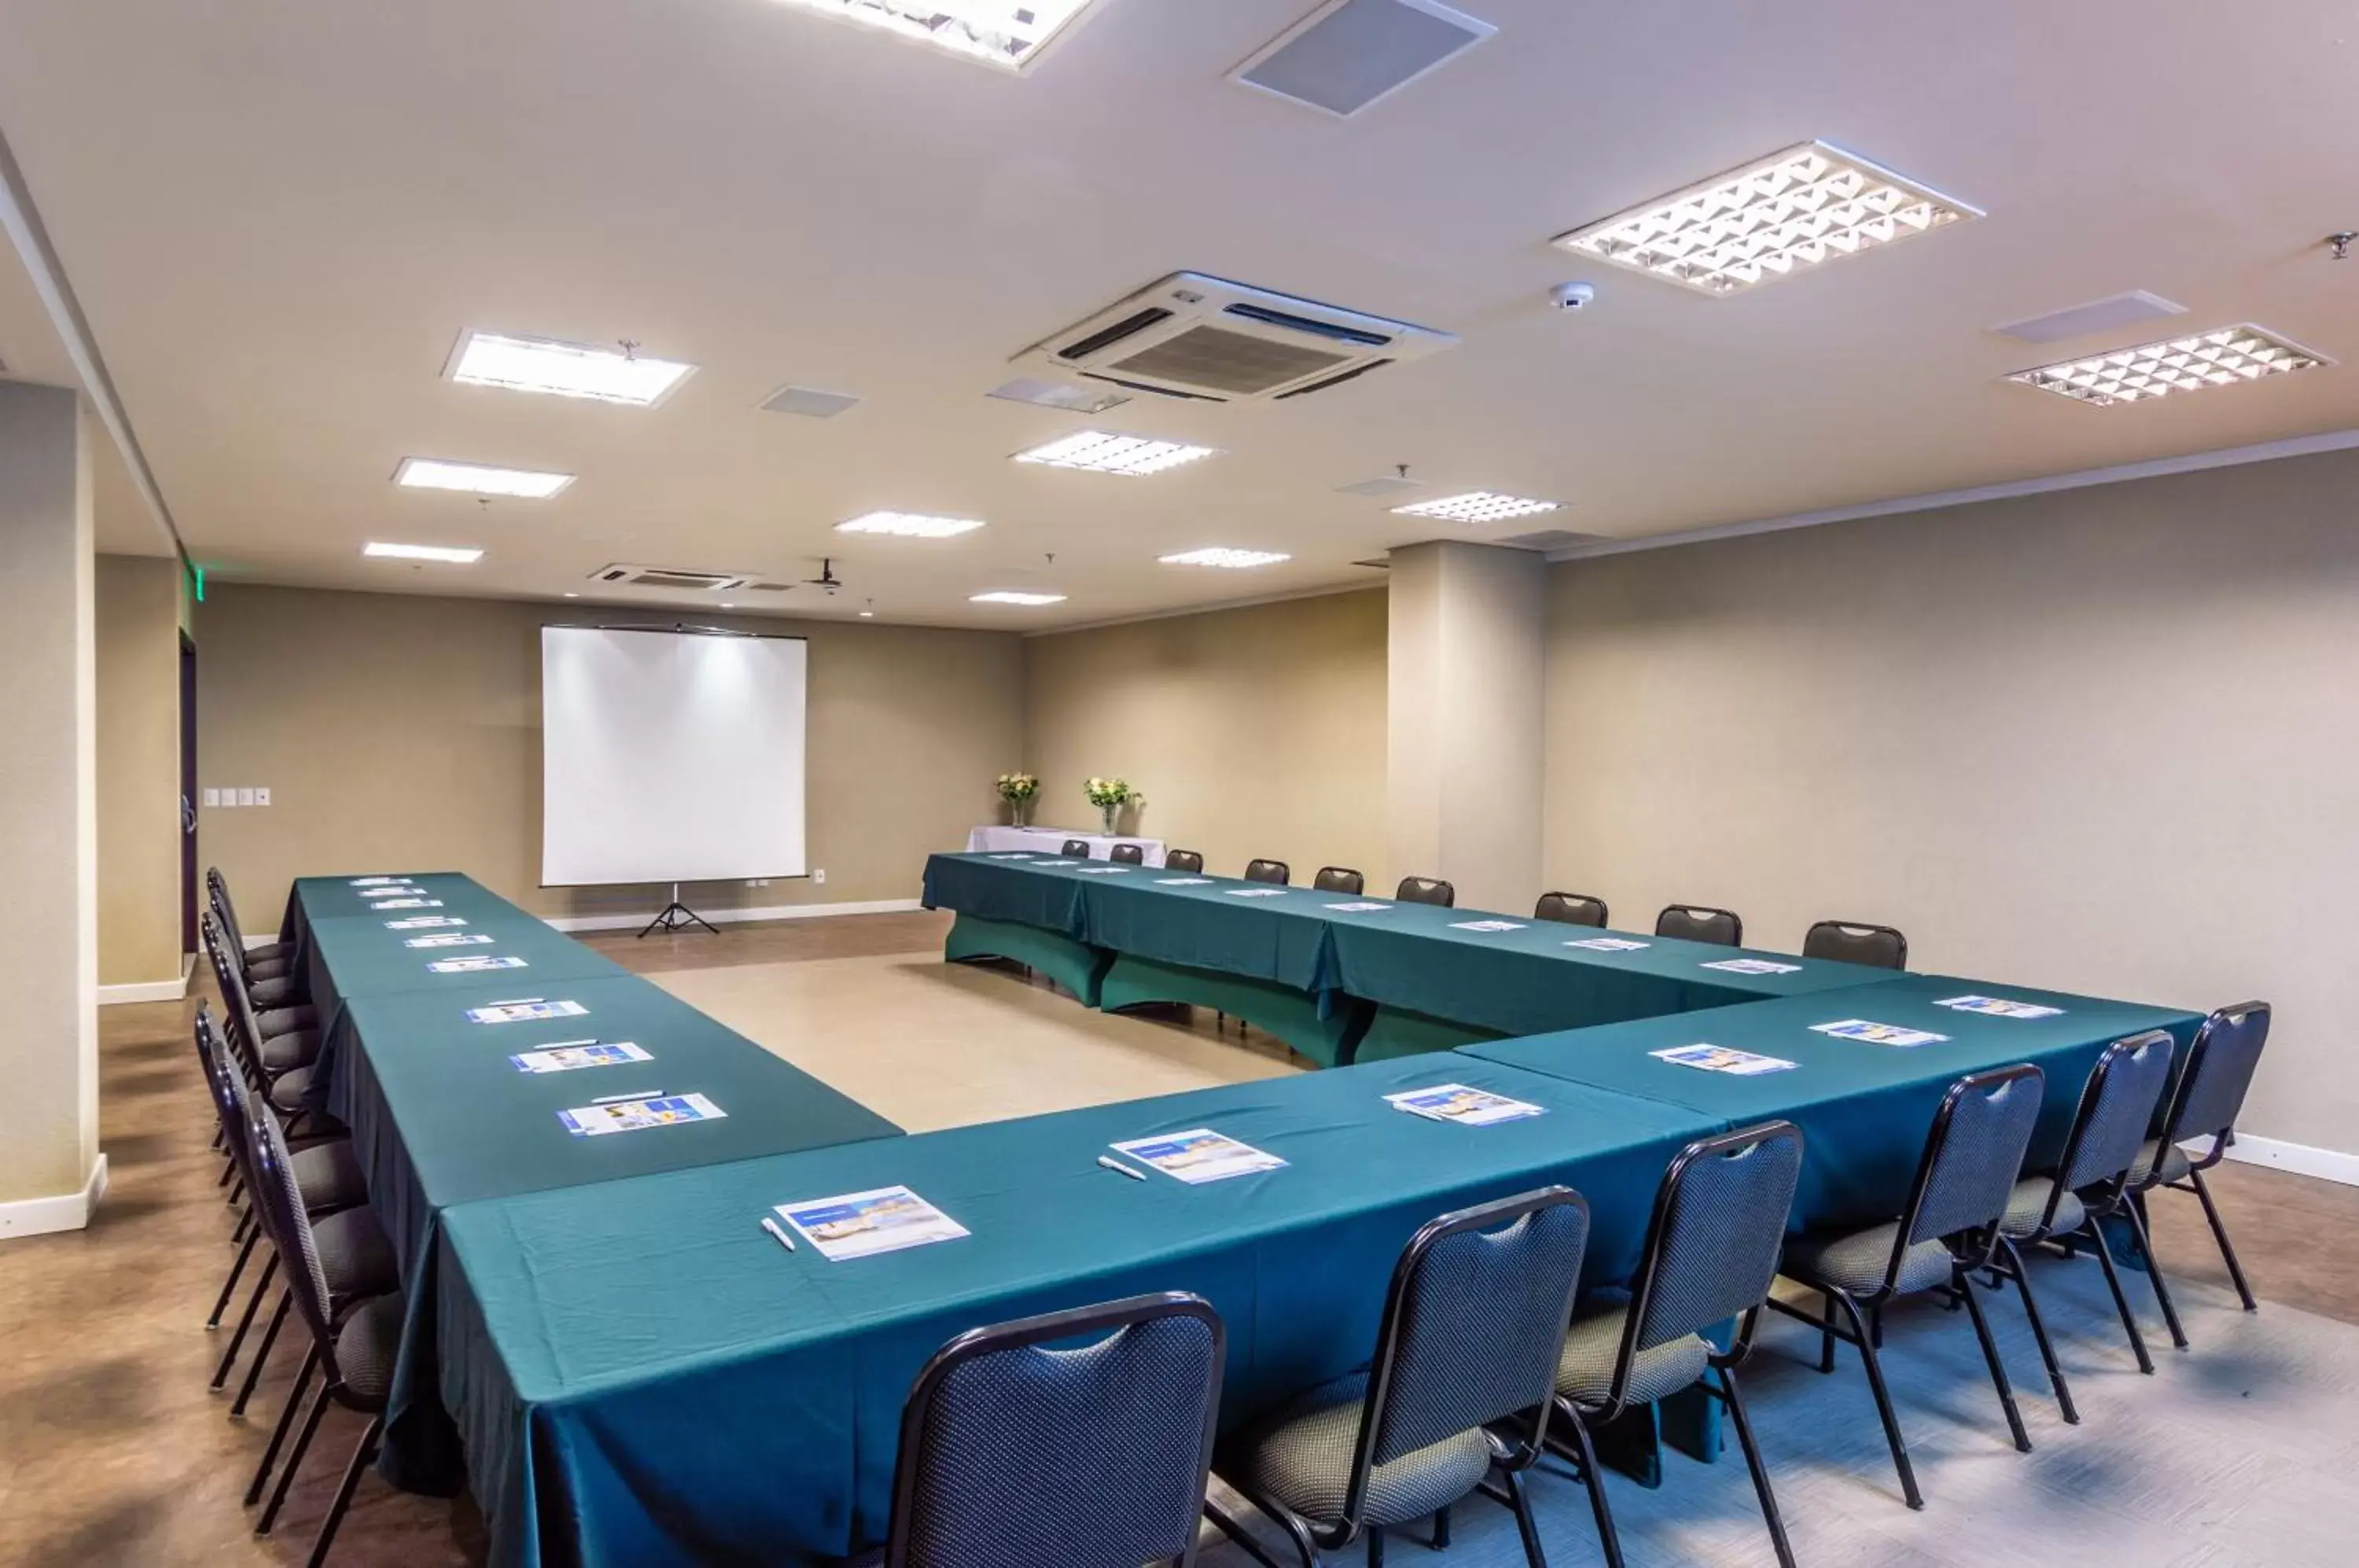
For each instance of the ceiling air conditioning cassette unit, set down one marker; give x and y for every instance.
(621, 575)
(1210, 340)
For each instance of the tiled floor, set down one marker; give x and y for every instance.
(112, 1452)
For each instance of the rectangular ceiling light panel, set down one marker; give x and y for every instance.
(1010, 597)
(1009, 34)
(474, 479)
(1102, 452)
(1476, 507)
(1221, 556)
(454, 557)
(566, 369)
(1349, 53)
(2224, 358)
(909, 524)
(1787, 213)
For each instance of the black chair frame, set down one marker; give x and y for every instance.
(1700, 914)
(1274, 872)
(1849, 930)
(1431, 891)
(1580, 1419)
(1339, 880)
(1187, 861)
(1127, 855)
(1076, 849)
(1510, 1458)
(1570, 910)
(1024, 1333)
(1972, 1250)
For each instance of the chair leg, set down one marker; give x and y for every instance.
(262, 1353)
(1827, 1340)
(2039, 1333)
(2220, 1234)
(1760, 1471)
(2135, 1210)
(361, 1456)
(295, 1457)
(1609, 1540)
(1376, 1546)
(1883, 1400)
(1441, 1528)
(252, 1303)
(286, 1424)
(1534, 1554)
(1964, 1288)
(1237, 1532)
(229, 1286)
(2121, 1303)
(245, 1224)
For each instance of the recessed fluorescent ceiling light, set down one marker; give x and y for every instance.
(1102, 453)
(1786, 213)
(909, 524)
(1219, 555)
(1476, 506)
(423, 552)
(565, 369)
(998, 32)
(2223, 358)
(429, 473)
(1010, 597)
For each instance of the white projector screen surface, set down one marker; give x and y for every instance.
(670, 757)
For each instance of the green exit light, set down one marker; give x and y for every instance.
(197, 580)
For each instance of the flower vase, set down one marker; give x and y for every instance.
(1108, 815)
(1019, 814)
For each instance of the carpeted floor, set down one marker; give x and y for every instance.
(2245, 1451)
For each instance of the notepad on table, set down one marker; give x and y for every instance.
(1608, 944)
(1755, 966)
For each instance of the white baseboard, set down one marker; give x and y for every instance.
(2327, 1164)
(67, 1210)
(143, 991)
(739, 916)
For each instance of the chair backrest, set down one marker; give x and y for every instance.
(1339, 880)
(2117, 1108)
(1847, 941)
(1973, 1157)
(217, 894)
(1079, 849)
(1128, 853)
(1700, 922)
(1268, 871)
(1426, 891)
(1570, 910)
(280, 1202)
(1712, 1245)
(1473, 1327)
(2219, 1070)
(228, 1093)
(238, 1027)
(1014, 1456)
(1186, 860)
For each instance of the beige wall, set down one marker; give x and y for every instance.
(138, 659)
(2106, 740)
(402, 732)
(1252, 732)
(49, 928)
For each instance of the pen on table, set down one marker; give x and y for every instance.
(618, 1099)
(516, 1002)
(1111, 1164)
(774, 1229)
(562, 1044)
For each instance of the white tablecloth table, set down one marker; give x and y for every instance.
(993, 838)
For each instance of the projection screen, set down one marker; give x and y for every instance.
(670, 756)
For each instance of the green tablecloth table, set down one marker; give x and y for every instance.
(344, 946)
(644, 1376)
(1864, 1109)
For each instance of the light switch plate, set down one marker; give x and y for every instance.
(819, 878)
(245, 796)
(212, 798)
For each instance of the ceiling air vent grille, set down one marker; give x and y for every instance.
(1349, 53)
(1199, 337)
(666, 578)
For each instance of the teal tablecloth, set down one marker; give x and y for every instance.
(644, 1376)
(1865, 1109)
(344, 946)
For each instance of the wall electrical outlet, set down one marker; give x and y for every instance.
(262, 796)
(757, 882)
(819, 878)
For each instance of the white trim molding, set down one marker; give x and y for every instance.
(738, 917)
(143, 991)
(2326, 1164)
(67, 1210)
(2192, 463)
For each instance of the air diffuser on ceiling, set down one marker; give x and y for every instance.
(1204, 338)
(620, 575)
(810, 402)
(1349, 53)
(2097, 316)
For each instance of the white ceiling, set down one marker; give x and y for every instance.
(280, 215)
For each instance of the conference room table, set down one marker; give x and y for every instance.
(643, 1376)
(1338, 976)
(442, 1112)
